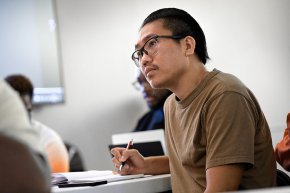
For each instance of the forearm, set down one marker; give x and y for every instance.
(224, 178)
(157, 165)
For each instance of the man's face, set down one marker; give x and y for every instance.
(153, 97)
(162, 69)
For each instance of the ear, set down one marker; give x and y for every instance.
(189, 45)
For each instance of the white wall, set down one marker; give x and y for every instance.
(248, 38)
(28, 44)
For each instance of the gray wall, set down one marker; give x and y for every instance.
(247, 38)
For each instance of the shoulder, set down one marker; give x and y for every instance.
(227, 82)
(47, 135)
(171, 99)
(222, 84)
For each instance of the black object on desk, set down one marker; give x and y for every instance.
(152, 148)
(80, 183)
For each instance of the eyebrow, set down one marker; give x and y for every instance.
(144, 40)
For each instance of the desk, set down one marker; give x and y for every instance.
(152, 184)
(285, 189)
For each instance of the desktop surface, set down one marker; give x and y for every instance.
(285, 189)
(157, 183)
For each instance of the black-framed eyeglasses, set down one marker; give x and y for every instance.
(150, 47)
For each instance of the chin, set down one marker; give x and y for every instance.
(154, 85)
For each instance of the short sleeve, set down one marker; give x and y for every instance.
(230, 130)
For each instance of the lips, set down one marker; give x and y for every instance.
(148, 70)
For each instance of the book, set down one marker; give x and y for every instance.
(90, 176)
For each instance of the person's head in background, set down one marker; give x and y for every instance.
(154, 97)
(24, 87)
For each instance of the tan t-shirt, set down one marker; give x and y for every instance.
(219, 123)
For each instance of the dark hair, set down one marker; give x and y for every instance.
(20, 83)
(182, 24)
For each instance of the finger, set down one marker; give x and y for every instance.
(130, 154)
(116, 161)
(117, 152)
(128, 169)
(125, 170)
(127, 154)
(117, 166)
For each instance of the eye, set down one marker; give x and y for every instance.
(139, 54)
(152, 43)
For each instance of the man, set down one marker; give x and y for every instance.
(217, 136)
(155, 98)
(23, 163)
(55, 149)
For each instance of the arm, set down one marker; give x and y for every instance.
(136, 163)
(224, 178)
(157, 165)
(282, 149)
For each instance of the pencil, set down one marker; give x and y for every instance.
(129, 145)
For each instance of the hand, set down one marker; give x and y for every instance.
(135, 162)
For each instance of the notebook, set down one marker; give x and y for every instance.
(90, 176)
(152, 148)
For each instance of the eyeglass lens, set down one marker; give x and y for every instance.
(149, 48)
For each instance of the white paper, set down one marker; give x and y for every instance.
(96, 175)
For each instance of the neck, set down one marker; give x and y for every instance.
(191, 78)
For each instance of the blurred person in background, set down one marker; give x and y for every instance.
(53, 144)
(23, 164)
(155, 98)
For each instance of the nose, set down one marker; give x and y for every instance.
(145, 60)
